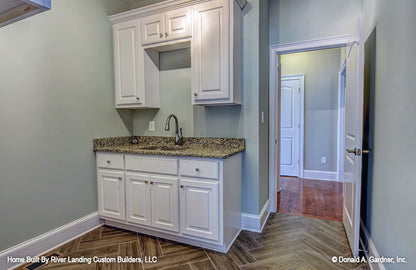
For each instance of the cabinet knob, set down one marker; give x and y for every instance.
(197, 169)
(151, 182)
(166, 34)
(161, 35)
(181, 186)
(195, 94)
(108, 161)
(120, 178)
(137, 98)
(146, 182)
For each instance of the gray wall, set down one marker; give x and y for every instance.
(321, 104)
(294, 20)
(57, 94)
(391, 215)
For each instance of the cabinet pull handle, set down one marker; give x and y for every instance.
(108, 161)
(151, 182)
(161, 35)
(146, 182)
(197, 169)
(120, 178)
(181, 186)
(166, 34)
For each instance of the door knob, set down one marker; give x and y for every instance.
(355, 151)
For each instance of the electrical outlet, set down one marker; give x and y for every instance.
(151, 125)
(323, 159)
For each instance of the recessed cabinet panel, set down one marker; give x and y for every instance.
(126, 59)
(111, 194)
(138, 204)
(178, 24)
(210, 52)
(199, 208)
(153, 29)
(165, 203)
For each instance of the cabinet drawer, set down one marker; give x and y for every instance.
(110, 161)
(199, 168)
(152, 164)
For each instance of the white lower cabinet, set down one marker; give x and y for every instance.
(199, 208)
(111, 201)
(138, 205)
(192, 200)
(165, 213)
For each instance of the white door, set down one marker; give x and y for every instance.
(165, 214)
(138, 204)
(178, 24)
(153, 29)
(353, 139)
(111, 194)
(126, 63)
(199, 208)
(290, 125)
(210, 52)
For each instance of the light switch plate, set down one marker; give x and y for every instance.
(323, 159)
(151, 125)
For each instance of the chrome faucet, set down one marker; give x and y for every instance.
(178, 136)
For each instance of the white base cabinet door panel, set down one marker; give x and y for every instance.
(138, 205)
(111, 201)
(199, 208)
(165, 203)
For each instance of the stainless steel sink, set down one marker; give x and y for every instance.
(164, 148)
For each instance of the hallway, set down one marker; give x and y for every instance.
(310, 198)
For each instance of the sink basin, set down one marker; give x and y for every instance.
(164, 148)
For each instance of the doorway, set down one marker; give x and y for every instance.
(275, 120)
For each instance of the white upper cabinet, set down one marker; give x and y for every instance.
(126, 63)
(162, 27)
(216, 53)
(213, 30)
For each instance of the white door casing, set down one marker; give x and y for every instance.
(138, 199)
(199, 208)
(165, 203)
(353, 137)
(290, 125)
(111, 194)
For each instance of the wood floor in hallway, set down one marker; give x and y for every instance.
(287, 242)
(310, 198)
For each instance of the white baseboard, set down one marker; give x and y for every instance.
(50, 240)
(320, 175)
(370, 249)
(255, 223)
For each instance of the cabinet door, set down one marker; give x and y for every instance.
(138, 199)
(210, 52)
(178, 24)
(126, 63)
(199, 208)
(153, 29)
(111, 194)
(165, 203)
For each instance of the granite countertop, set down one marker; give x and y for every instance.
(190, 146)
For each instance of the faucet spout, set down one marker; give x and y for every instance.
(178, 136)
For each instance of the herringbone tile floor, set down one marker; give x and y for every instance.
(287, 242)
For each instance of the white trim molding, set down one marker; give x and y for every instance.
(370, 249)
(274, 99)
(255, 223)
(50, 240)
(320, 175)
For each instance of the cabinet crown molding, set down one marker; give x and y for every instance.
(159, 8)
